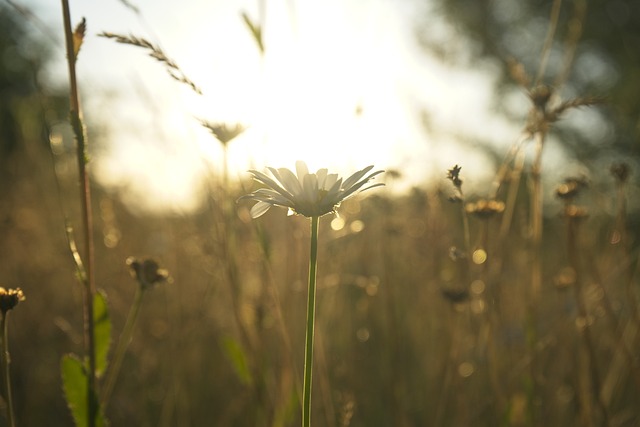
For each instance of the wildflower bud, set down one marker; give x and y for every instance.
(9, 298)
(147, 272)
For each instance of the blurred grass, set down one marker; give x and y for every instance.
(404, 339)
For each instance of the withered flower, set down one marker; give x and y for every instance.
(9, 298)
(620, 172)
(147, 272)
(453, 175)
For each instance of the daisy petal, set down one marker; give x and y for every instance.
(322, 176)
(301, 170)
(259, 209)
(289, 181)
(263, 178)
(330, 181)
(310, 188)
(356, 177)
(355, 187)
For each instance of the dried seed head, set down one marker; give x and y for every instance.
(453, 175)
(485, 209)
(455, 295)
(540, 96)
(456, 253)
(620, 172)
(222, 131)
(9, 298)
(147, 272)
(571, 188)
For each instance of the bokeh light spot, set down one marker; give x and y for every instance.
(465, 369)
(357, 226)
(337, 224)
(479, 256)
(363, 334)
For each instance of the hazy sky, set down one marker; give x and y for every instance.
(342, 84)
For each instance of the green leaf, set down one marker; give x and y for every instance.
(102, 331)
(74, 384)
(238, 359)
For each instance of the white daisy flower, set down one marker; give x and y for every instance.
(308, 194)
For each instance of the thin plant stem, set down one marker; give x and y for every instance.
(121, 349)
(5, 368)
(585, 329)
(548, 41)
(311, 314)
(536, 219)
(85, 193)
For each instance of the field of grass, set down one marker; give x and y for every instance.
(434, 308)
(410, 332)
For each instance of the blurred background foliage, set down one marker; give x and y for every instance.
(410, 333)
(594, 53)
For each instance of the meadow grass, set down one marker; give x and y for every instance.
(434, 308)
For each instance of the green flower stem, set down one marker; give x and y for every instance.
(87, 218)
(5, 370)
(311, 314)
(123, 343)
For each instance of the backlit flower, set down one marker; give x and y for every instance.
(9, 298)
(308, 194)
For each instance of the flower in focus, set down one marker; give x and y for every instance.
(308, 194)
(9, 298)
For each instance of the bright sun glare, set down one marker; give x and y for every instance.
(340, 86)
(323, 95)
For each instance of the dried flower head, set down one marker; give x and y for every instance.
(222, 131)
(9, 298)
(540, 96)
(455, 295)
(147, 272)
(571, 188)
(453, 175)
(620, 172)
(485, 209)
(308, 194)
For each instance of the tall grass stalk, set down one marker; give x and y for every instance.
(72, 48)
(311, 314)
(584, 323)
